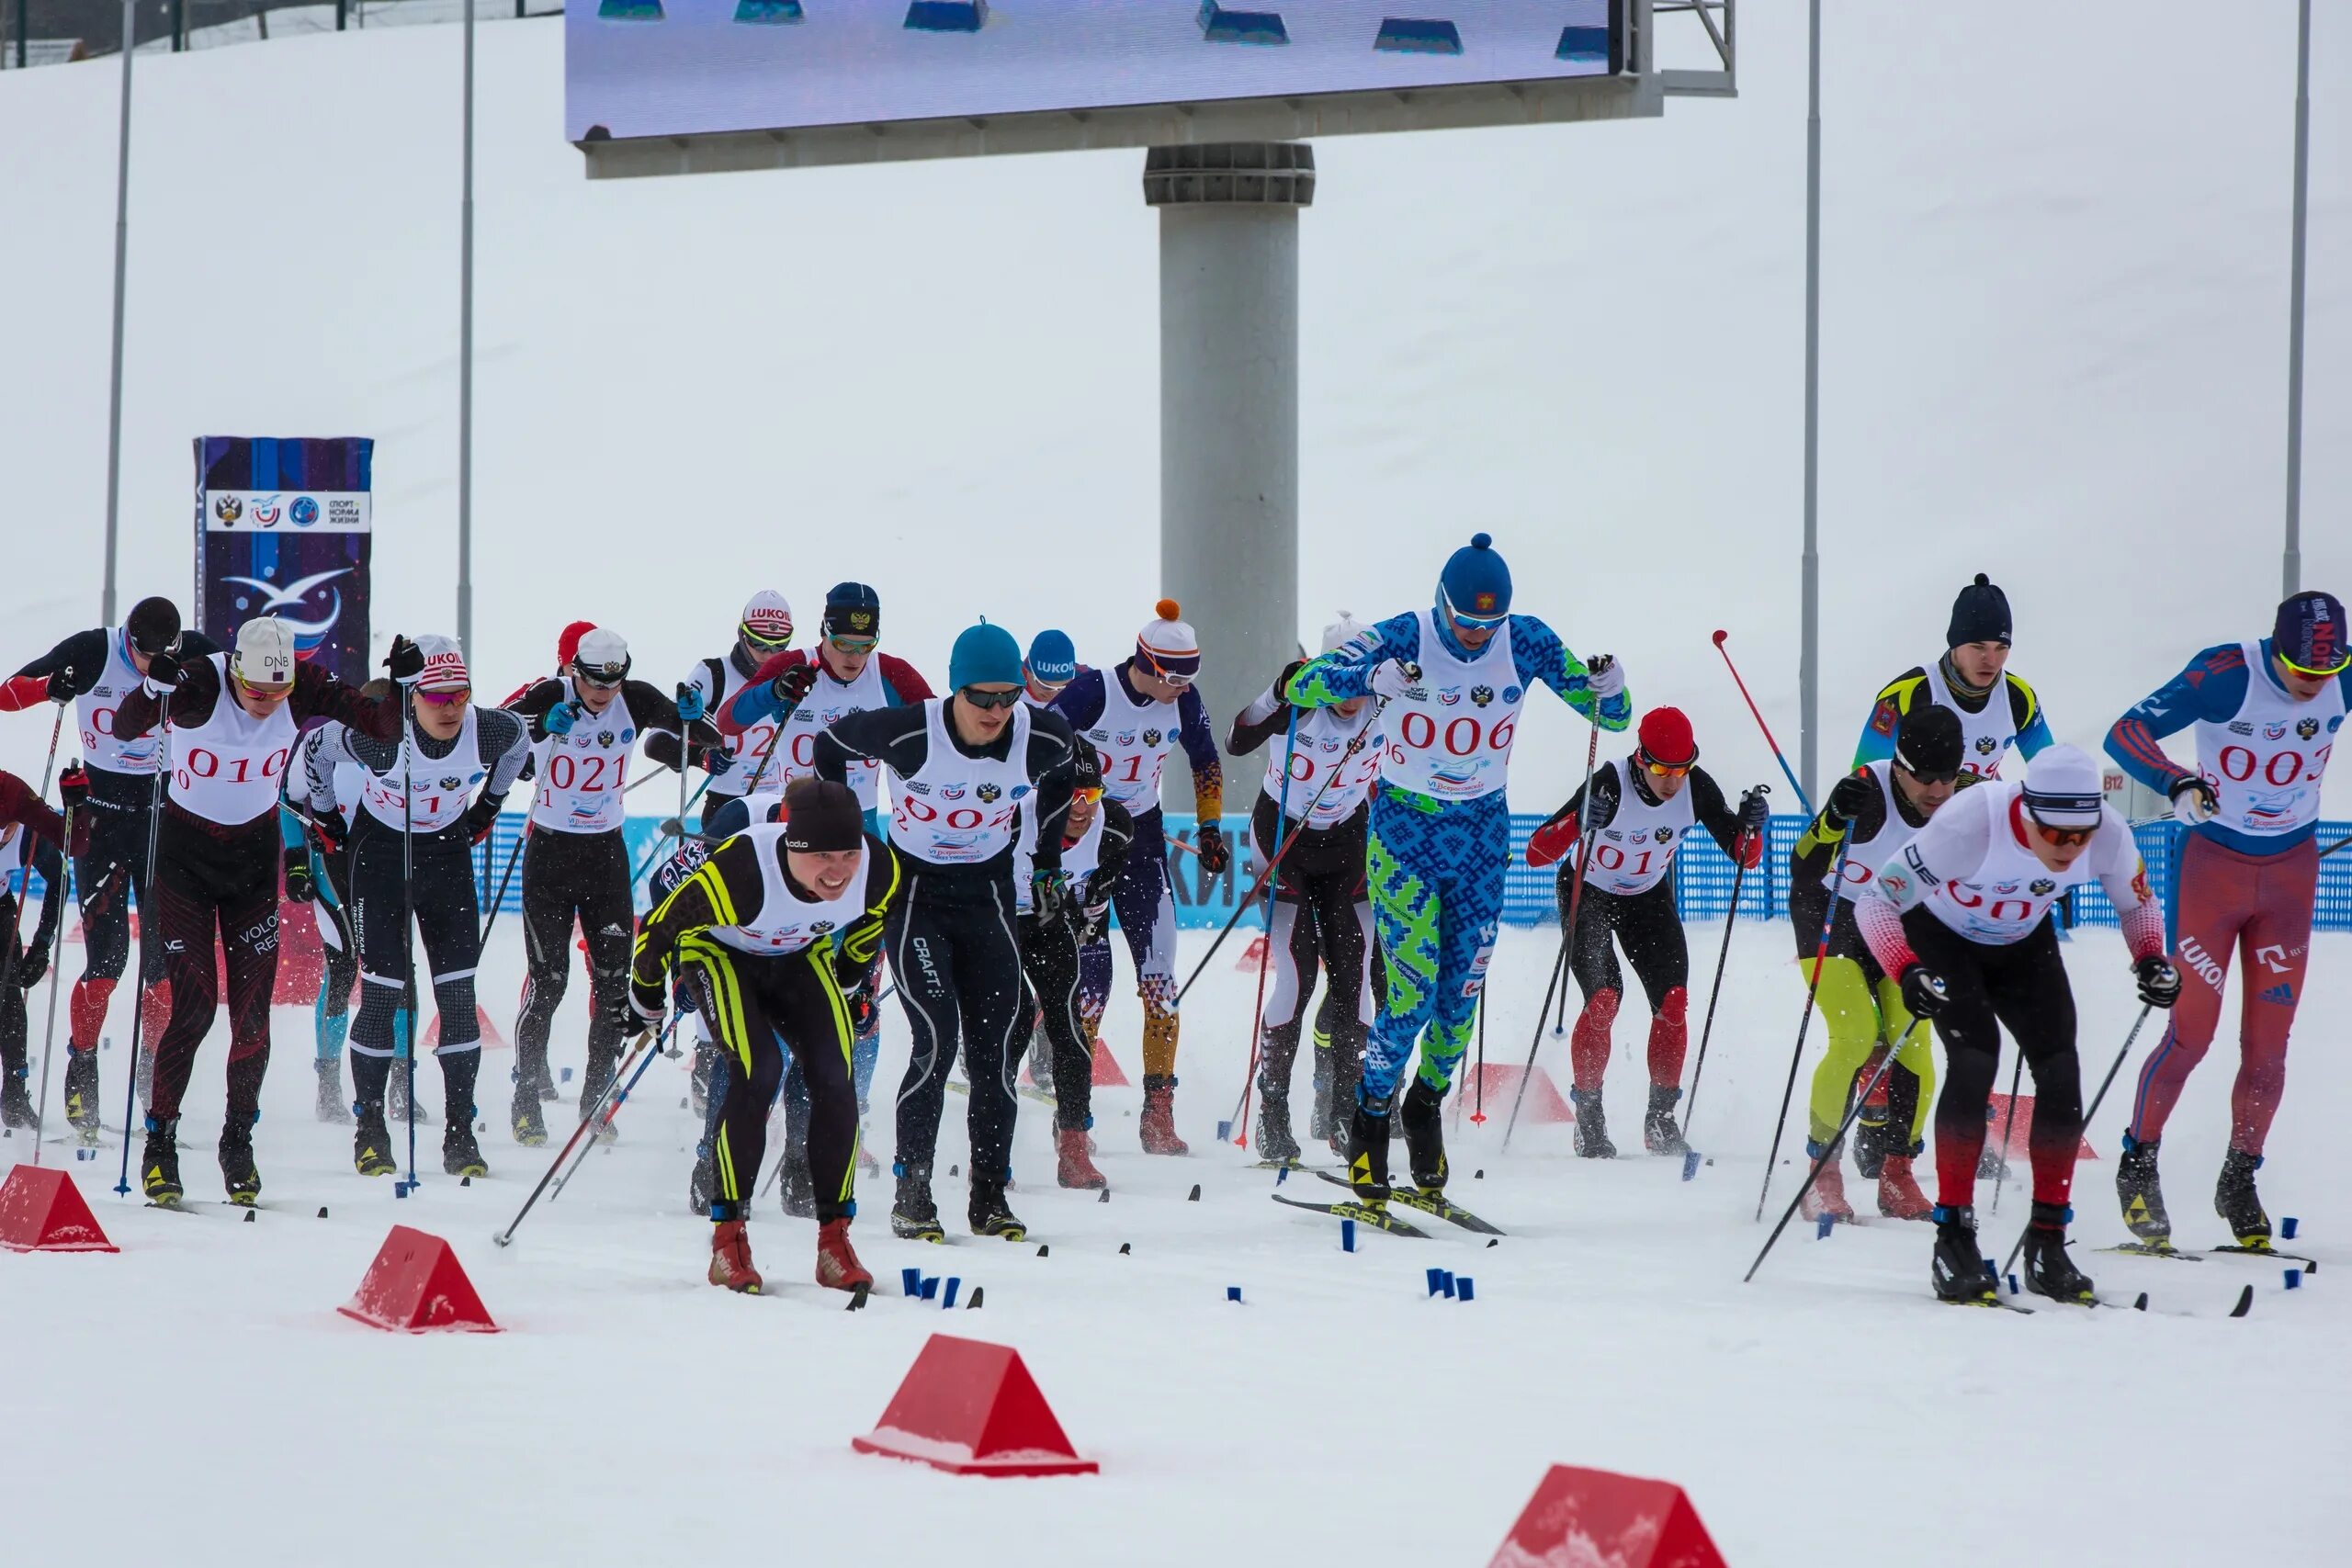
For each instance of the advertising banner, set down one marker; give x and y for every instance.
(283, 527)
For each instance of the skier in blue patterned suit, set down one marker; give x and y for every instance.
(1452, 679)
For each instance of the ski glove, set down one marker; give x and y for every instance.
(1215, 855)
(60, 686)
(1755, 813)
(73, 787)
(163, 674)
(690, 707)
(299, 889)
(1554, 841)
(1606, 678)
(2159, 981)
(2193, 801)
(558, 719)
(1393, 676)
(1924, 994)
(31, 964)
(1049, 896)
(406, 661)
(792, 687)
(481, 818)
(1849, 798)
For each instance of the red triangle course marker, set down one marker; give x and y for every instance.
(1599, 1516)
(971, 1408)
(43, 1210)
(416, 1286)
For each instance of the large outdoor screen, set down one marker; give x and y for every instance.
(654, 68)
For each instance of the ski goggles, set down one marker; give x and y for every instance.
(454, 697)
(1162, 672)
(603, 680)
(853, 645)
(1086, 794)
(2340, 667)
(1484, 623)
(1667, 769)
(2062, 838)
(990, 700)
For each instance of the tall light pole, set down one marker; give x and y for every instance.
(122, 254)
(2291, 563)
(1809, 657)
(466, 365)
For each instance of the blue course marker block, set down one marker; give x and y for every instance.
(1225, 1132)
(1690, 1164)
(947, 1297)
(2294, 1279)
(1465, 1289)
(930, 1286)
(947, 15)
(1823, 1226)
(769, 12)
(629, 10)
(910, 1280)
(1347, 1235)
(2013, 1286)
(1233, 1292)
(1437, 1280)
(1413, 35)
(564, 1077)
(1220, 24)
(2287, 1228)
(1584, 46)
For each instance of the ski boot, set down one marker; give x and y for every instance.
(81, 1099)
(1660, 1134)
(238, 1173)
(1072, 1168)
(1423, 1119)
(1276, 1145)
(1872, 1143)
(913, 1216)
(1160, 1117)
(730, 1257)
(1323, 1125)
(371, 1143)
(530, 1128)
(15, 1101)
(703, 1185)
(1368, 1169)
(2048, 1270)
(2142, 1195)
(332, 1108)
(988, 1214)
(797, 1186)
(1957, 1269)
(158, 1164)
(1592, 1126)
(2239, 1204)
(1826, 1196)
(460, 1151)
(837, 1265)
(698, 1079)
(1899, 1196)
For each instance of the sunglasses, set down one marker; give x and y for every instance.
(601, 682)
(853, 645)
(2341, 666)
(755, 639)
(1949, 776)
(980, 699)
(267, 693)
(1666, 770)
(1161, 673)
(2063, 837)
(458, 697)
(1086, 794)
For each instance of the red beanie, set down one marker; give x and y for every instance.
(567, 647)
(1665, 737)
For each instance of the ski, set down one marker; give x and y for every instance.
(1989, 1302)
(2308, 1265)
(2166, 1249)
(2154, 1249)
(1359, 1213)
(1435, 1204)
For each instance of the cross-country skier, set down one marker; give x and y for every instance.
(1960, 917)
(32, 839)
(1871, 812)
(2267, 715)
(95, 669)
(764, 631)
(1452, 678)
(963, 768)
(232, 722)
(1051, 665)
(1996, 710)
(584, 725)
(1137, 712)
(1641, 812)
(1316, 795)
(458, 761)
(323, 880)
(778, 931)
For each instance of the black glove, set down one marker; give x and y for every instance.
(298, 886)
(163, 672)
(633, 1013)
(479, 817)
(712, 760)
(792, 686)
(1755, 811)
(1923, 995)
(31, 964)
(332, 830)
(1049, 896)
(406, 661)
(60, 686)
(1849, 798)
(73, 787)
(1215, 856)
(2159, 981)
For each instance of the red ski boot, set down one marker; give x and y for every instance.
(1827, 1193)
(1160, 1117)
(1073, 1169)
(837, 1265)
(1899, 1196)
(730, 1259)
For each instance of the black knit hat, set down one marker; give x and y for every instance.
(154, 625)
(1981, 613)
(1930, 741)
(821, 815)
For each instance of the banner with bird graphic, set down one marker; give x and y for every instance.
(284, 527)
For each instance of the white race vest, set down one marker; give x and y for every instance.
(1862, 860)
(2266, 761)
(2002, 900)
(1135, 738)
(1633, 853)
(1450, 735)
(582, 775)
(1318, 752)
(439, 791)
(958, 811)
(94, 714)
(1986, 737)
(748, 748)
(227, 769)
(828, 700)
(786, 922)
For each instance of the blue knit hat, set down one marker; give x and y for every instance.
(984, 656)
(1475, 584)
(1053, 659)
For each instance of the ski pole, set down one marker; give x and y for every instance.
(1478, 1111)
(2001, 1157)
(1240, 1118)
(1567, 932)
(48, 1031)
(2096, 1100)
(614, 1109)
(1813, 989)
(146, 930)
(643, 1042)
(2335, 846)
(1828, 1152)
(1767, 728)
(407, 922)
(1714, 994)
(498, 901)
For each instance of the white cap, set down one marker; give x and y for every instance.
(445, 665)
(767, 615)
(603, 652)
(264, 657)
(1166, 643)
(1346, 630)
(2062, 788)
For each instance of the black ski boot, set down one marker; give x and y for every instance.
(1660, 1134)
(371, 1143)
(913, 1216)
(1957, 1268)
(2142, 1195)
(991, 1215)
(334, 1106)
(83, 1108)
(1368, 1164)
(530, 1129)
(158, 1164)
(1424, 1118)
(1873, 1144)
(797, 1186)
(1592, 1126)
(460, 1151)
(238, 1172)
(15, 1101)
(1322, 1126)
(2048, 1270)
(1276, 1143)
(2238, 1203)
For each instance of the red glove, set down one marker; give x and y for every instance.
(1553, 841)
